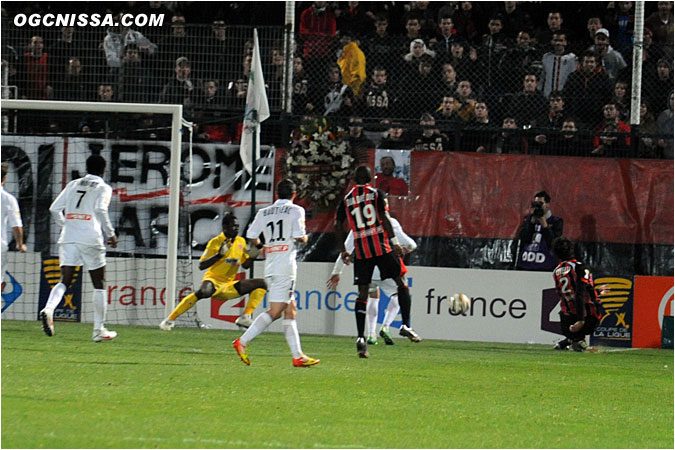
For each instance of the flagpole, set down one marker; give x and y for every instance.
(254, 119)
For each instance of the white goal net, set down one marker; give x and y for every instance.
(163, 222)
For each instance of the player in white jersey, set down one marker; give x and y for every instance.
(81, 210)
(11, 219)
(387, 286)
(283, 226)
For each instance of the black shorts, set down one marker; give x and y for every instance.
(389, 265)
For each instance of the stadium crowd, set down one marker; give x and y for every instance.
(498, 77)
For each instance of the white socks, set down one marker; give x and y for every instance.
(259, 325)
(292, 337)
(55, 296)
(371, 317)
(391, 311)
(100, 307)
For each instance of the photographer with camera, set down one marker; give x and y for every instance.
(536, 235)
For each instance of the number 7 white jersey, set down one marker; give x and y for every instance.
(281, 223)
(81, 209)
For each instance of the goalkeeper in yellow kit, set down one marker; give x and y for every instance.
(222, 257)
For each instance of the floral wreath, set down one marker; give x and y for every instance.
(319, 161)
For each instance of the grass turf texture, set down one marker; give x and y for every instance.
(188, 389)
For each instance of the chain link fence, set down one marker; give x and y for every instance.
(495, 77)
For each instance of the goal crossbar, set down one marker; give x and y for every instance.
(176, 112)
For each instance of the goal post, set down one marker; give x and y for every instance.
(176, 113)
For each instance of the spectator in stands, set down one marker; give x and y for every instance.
(354, 20)
(137, 85)
(514, 19)
(117, 39)
(448, 83)
(335, 97)
(72, 87)
(358, 142)
(427, 19)
(657, 85)
(301, 89)
(317, 30)
(387, 181)
(445, 115)
(612, 61)
(211, 99)
(494, 39)
(235, 97)
(554, 23)
(155, 33)
(557, 65)
(418, 50)
(177, 44)
(620, 20)
(593, 24)
(62, 50)
(352, 62)
(34, 72)
(515, 63)
(466, 22)
(493, 46)
(648, 144)
(476, 137)
(467, 101)
(665, 124)
(446, 33)
(556, 114)
(661, 24)
(430, 138)
(536, 234)
(608, 143)
(412, 31)
(567, 142)
(380, 99)
(464, 60)
(651, 54)
(556, 110)
(509, 141)
(420, 92)
(274, 76)
(529, 106)
(396, 138)
(215, 59)
(621, 99)
(97, 123)
(182, 89)
(586, 90)
(380, 46)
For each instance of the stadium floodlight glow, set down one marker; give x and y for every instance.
(176, 112)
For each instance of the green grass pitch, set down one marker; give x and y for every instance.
(188, 389)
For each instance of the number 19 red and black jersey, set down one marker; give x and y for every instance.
(362, 207)
(576, 289)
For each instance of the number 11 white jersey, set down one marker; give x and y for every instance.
(281, 223)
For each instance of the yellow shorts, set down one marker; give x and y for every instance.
(224, 290)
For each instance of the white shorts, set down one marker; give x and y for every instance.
(280, 288)
(387, 286)
(72, 254)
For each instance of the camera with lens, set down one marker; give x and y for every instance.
(538, 210)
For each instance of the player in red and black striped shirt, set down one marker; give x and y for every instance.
(375, 245)
(580, 309)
